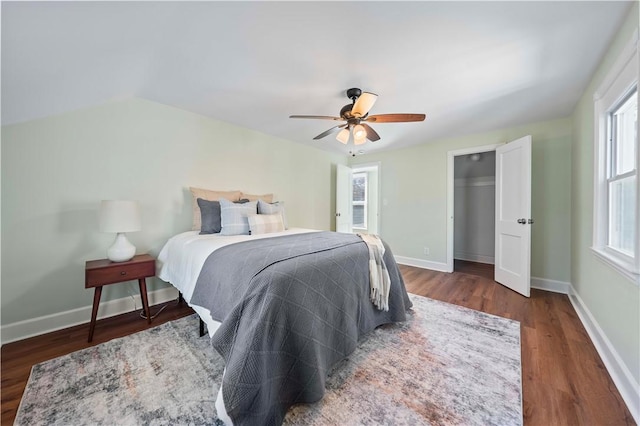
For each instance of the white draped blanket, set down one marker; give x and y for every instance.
(379, 277)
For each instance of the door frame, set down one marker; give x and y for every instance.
(450, 192)
(378, 166)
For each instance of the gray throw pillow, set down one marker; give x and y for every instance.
(210, 215)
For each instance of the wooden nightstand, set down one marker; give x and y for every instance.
(103, 272)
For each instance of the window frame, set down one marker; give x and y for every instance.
(361, 203)
(617, 87)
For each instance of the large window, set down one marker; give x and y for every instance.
(359, 200)
(616, 237)
(622, 175)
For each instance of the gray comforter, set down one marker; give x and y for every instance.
(290, 307)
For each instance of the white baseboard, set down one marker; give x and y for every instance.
(551, 285)
(470, 257)
(48, 323)
(419, 263)
(625, 382)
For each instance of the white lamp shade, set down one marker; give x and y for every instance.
(343, 136)
(359, 132)
(364, 104)
(359, 135)
(119, 216)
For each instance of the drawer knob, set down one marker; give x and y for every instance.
(123, 273)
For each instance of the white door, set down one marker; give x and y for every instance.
(513, 215)
(343, 198)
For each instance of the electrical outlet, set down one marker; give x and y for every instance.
(426, 251)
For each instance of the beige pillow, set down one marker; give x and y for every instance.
(208, 195)
(265, 223)
(267, 198)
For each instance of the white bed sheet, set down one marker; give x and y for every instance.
(182, 257)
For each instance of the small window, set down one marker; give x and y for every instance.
(359, 200)
(616, 237)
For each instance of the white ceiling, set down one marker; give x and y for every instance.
(469, 66)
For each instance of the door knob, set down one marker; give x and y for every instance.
(522, 221)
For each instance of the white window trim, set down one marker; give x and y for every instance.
(618, 82)
(362, 203)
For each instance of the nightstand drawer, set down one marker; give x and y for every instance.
(119, 272)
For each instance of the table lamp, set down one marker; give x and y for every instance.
(120, 217)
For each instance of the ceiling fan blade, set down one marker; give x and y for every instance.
(363, 104)
(395, 118)
(328, 132)
(372, 135)
(320, 117)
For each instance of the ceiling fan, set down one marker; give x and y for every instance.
(357, 116)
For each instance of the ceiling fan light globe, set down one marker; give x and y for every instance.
(359, 137)
(343, 136)
(359, 132)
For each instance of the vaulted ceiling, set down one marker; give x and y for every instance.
(469, 66)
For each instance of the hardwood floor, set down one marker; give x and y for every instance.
(564, 380)
(474, 268)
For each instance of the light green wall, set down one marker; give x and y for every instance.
(56, 170)
(613, 300)
(414, 184)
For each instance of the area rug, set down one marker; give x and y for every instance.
(446, 365)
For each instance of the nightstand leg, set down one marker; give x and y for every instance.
(94, 313)
(145, 301)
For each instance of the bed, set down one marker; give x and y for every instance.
(281, 309)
